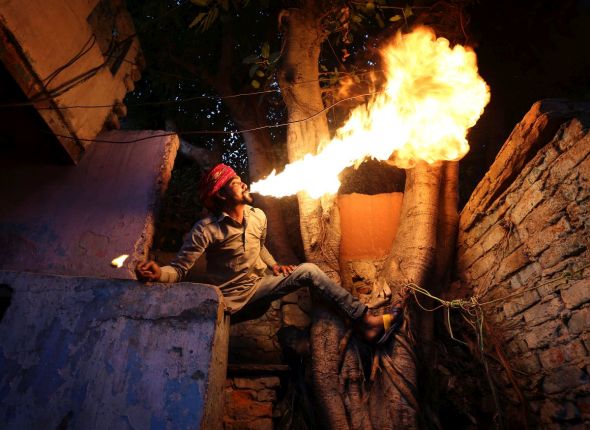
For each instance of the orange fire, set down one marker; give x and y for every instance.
(433, 95)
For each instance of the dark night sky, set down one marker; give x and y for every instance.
(527, 51)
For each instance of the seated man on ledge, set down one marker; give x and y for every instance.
(238, 262)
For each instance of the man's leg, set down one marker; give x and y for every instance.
(374, 328)
(309, 275)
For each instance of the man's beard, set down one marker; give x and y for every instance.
(247, 198)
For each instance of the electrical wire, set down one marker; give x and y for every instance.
(223, 132)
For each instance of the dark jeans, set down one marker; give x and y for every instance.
(309, 275)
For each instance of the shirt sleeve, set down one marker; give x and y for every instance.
(265, 255)
(191, 250)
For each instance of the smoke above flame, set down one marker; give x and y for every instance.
(432, 96)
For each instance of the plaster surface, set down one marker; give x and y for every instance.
(73, 220)
(368, 223)
(85, 353)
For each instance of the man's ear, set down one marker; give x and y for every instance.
(219, 195)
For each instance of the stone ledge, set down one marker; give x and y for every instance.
(103, 353)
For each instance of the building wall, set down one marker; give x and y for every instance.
(524, 250)
(74, 220)
(47, 45)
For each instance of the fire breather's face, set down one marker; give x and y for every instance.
(236, 191)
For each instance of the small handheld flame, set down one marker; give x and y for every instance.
(433, 95)
(118, 262)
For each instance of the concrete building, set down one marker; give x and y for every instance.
(84, 345)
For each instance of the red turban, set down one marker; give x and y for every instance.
(213, 181)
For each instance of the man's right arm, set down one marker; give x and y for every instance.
(191, 250)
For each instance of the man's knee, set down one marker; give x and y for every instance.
(308, 268)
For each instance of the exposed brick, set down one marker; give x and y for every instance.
(524, 275)
(539, 242)
(543, 311)
(559, 250)
(257, 383)
(544, 334)
(548, 212)
(558, 355)
(266, 395)
(512, 263)
(515, 347)
(559, 411)
(294, 315)
(520, 303)
(583, 404)
(580, 321)
(493, 237)
(531, 198)
(564, 378)
(482, 266)
(528, 363)
(576, 294)
(466, 257)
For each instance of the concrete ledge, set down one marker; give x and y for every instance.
(86, 353)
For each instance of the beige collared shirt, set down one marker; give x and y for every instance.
(236, 256)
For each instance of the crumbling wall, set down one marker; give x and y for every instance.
(74, 220)
(523, 250)
(87, 353)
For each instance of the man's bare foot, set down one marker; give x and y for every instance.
(378, 328)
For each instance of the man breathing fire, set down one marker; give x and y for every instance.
(239, 264)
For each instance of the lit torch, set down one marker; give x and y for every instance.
(118, 262)
(432, 96)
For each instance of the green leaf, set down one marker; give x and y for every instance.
(395, 18)
(323, 68)
(357, 18)
(255, 84)
(259, 73)
(251, 59)
(197, 20)
(408, 11)
(265, 50)
(253, 70)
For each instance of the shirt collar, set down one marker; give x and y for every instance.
(247, 211)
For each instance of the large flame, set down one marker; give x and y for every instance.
(432, 96)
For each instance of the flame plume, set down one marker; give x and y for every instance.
(433, 95)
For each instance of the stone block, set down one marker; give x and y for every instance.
(525, 275)
(539, 242)
(560, 250)
(544, 334)
(559, 411)
(294, 315)
(583, 404)
(531, 198)
(76, 220)
(513, 262)
(576, 294)
(543, 311)
(520, 303)
(564, 379)
(103, 353)
(579, 321)
(257, 383)
(529, 363)
(266, 395)
(556, 356)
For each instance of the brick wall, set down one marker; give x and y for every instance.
(524, 244)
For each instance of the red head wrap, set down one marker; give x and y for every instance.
(213, 181)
